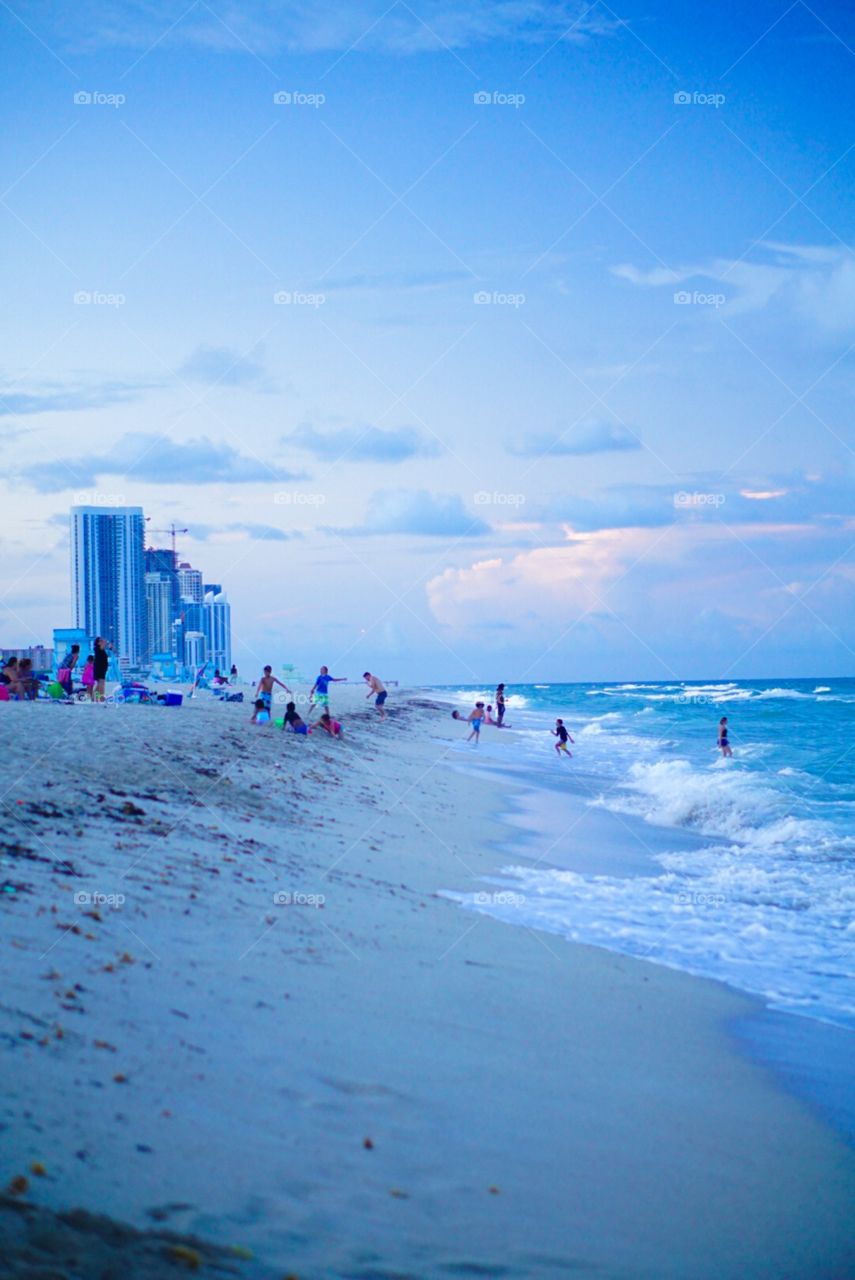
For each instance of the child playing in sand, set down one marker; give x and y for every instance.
(261, 714)
(293, 720)
(723, 743)
(376, 688)
(320, 689)
(562, 735)
(332, 727)
(264, 690)
(88, 677)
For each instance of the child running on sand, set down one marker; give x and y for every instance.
(376, 688)
(293, 720)
(562, 735)
(475, 718)
(332, 727)
(723, 743)
(264, 689)
(320, 689)
(261, 714)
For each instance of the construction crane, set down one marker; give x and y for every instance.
(172, 531)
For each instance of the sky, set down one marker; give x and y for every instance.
(468, 341)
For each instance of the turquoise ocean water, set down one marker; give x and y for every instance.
(749, 872)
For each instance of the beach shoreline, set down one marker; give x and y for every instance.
(379, 1082)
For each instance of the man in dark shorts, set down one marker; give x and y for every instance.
(500, 704)
(378, 689)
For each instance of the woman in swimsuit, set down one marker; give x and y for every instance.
(722, 737)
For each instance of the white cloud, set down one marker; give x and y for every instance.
(418, 512)
(362, 444)
(574, 441)
(813, 284)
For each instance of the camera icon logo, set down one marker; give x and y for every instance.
(82, 298)
(282, 298)
(482, 297)
(282, 98)
(82, 98)
(682, 297)
(481, 98)
(681, 98)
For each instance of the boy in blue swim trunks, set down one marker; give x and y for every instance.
(476, 719)
(377, 690)
(320, 689)
(264, 690)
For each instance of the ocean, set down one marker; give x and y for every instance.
(742, 870)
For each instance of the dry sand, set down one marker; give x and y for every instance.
(270, 1032)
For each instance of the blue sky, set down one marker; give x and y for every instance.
(554, 384)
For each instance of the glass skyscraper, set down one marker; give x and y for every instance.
(108, 577)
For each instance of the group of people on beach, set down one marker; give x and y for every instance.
(481, 715)
(319, 698)
(17, 679)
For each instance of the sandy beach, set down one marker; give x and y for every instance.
(239, 1009)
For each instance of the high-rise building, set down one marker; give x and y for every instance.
(190, 583)
(159, 607)
(195, 649)
(108, 577)
(218, 630)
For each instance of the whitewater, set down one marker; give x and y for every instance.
(749, 862)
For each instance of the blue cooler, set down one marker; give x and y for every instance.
(173, 699)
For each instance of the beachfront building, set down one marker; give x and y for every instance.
(159, 608)
(218, 629)
(190, 583)
(108, 578)
(39, 656)
(195, 649)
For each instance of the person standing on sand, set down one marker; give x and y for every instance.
(65, 674)
(264, 690)
(320, 689)
(500, 705)
(723, 743)
(88, 677)
(101, 664)
(376, 688)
